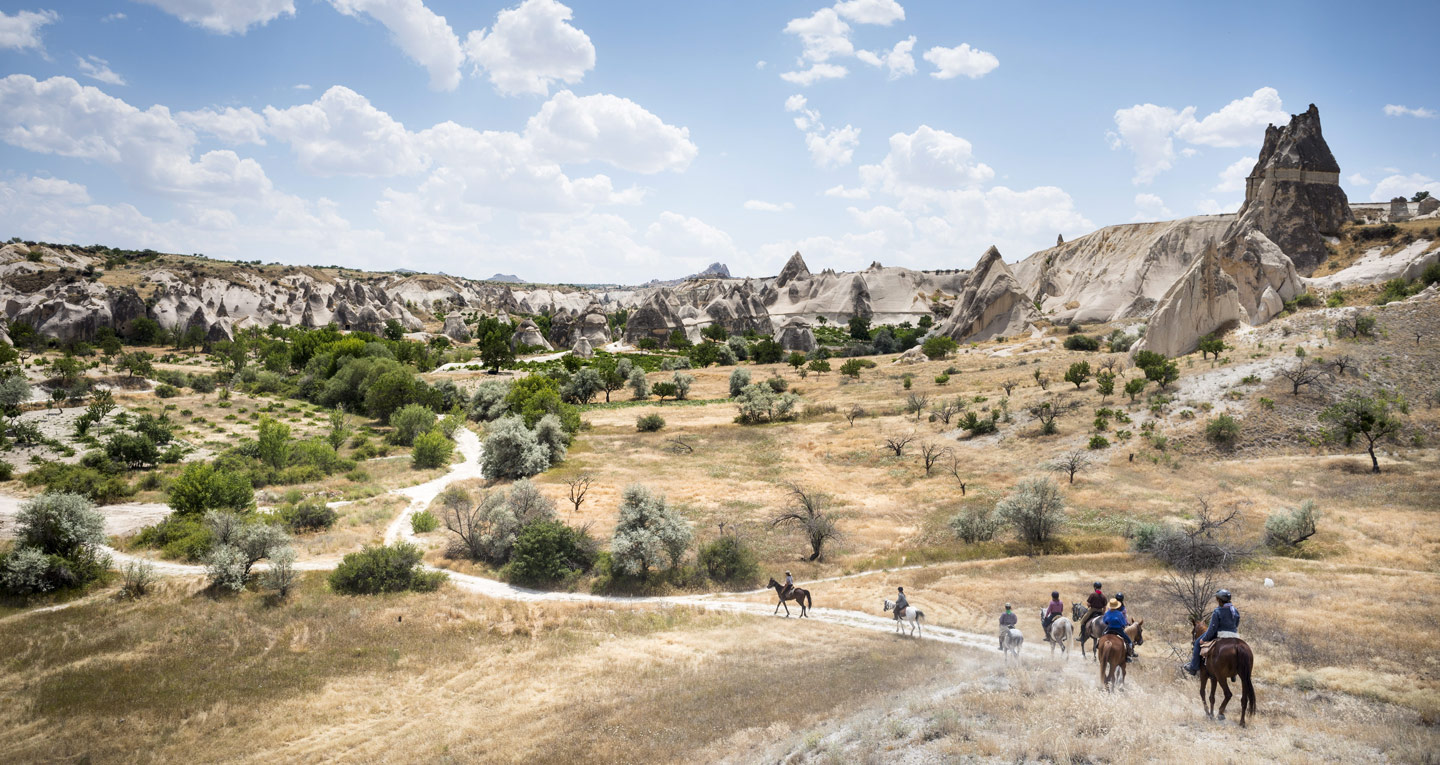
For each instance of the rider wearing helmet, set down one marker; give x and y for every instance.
(1224, 622)
(1096, 604)
(1120, 596)
(1007, 622)
(789, 585)
(901, 603)
(1115, 624)
(1055, 610)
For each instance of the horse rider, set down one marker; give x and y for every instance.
(901, 603)
(1115, 624)
(1120, 596)
(1055, 610)
(1224, 619)
(1096, 605)
(789, 585)
(1007, 622)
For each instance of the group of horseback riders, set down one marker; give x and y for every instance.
(1224, 620)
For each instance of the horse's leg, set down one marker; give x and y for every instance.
(777, 606)
(1224, 683)
(1214, 684)
(1203, 704)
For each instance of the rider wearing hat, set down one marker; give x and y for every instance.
(1055, 610)
(1224, 619)
(1096, 604)
(901, 603)
(1120, 596)
(1007, 622)
(1115, 624)
(789, 585)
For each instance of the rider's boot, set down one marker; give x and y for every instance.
(1189, 670)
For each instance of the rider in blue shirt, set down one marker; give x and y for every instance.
(1115, 624)
(1225, 618)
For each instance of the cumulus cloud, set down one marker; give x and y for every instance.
(676, 235)
(1357, 179)
(226, 17)
(1211, 207)
(961, 60)
(1232, 178)
(22, 30)
(834, 148)
(342, 133)
(606, 128)
(842, 192)
(924, 161)
(1150, 131)
(1149, 207)
(758, 205)
(823, 35)
(1404, 185)
(421, 33)
(881, 12)
(897, 61)
(97, 68)
(232, 126)
(530, 48)
(1396, 110)
(816, 73)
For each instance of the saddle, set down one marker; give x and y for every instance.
(1209, 645)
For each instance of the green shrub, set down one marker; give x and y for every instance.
(423, 522)
(975, 524)
(728, 559)
(99, 487)
(7, 471)
(409, 422)
(1099, 442)
(166, 390)
(432, 450)
(376, 570)
(1223, 430)
(308, 515)
(178, 537)
(1285, 531)
(548, 551)
(1082, 343)
(738, 380)
(942, 379)
(649, 423)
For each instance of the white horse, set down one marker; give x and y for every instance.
(1012, 639)
(1061, 630)
(912, 614)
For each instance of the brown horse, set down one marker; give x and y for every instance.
(801, 598)
(1110, 650)
(1228, 657)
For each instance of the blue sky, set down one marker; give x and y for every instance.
(613, 141)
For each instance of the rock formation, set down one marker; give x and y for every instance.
(796, 335)
(455, 329)
(1399, 210)
(1293, 193)
(794, 268)
(583, 349)
(1427, 205)
(529, 334)
(992, 304)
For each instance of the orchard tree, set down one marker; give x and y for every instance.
(1363, 417)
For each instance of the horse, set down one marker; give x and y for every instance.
(1012, 641)
(1085, 631)
(1110, 651)
(1228, 657)
(1092, 632)
(912, 614)
(801, 598)
(1060, 632)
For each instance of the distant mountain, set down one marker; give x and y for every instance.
(712, 271)
(512, 278)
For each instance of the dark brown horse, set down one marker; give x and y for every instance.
(801, 598)
(1111, 651)
(1228, 657)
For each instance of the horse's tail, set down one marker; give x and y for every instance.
(808, 603)
(1245, 661)
(919, 615)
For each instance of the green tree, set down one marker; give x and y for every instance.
(132, 450)
(819, 366)
(1105, 384)
(1134, 386)
(938, 347)
(1035, 508)
(390, 391)
(851, 368)
(548, 551)
(1078, 373)
(492, 337)
(274, 443)
(200, 487)
(715, 332)
(767, 351)
(860, 327)
(144, 331)
(394, 330)
(1210, 344)
(432, 450)
(648, 533)
(1366, 418)
(137, 363)
(678, 340)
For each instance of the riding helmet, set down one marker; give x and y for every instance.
(1120, 596)
(1223, 596)
(1097, 585)
(1055, 596)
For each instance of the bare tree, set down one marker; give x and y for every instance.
(932, 453)
(1070, 463)
(916, 402)
(1115, 365)
(854, 413)
(1199, 555)
(579, 486)
(897, 444)
(1342, 363)
(955, 471)
(1042, 379)
(809, 511)
(946, 411)
(1046, 412)
(679, 446)
(1307, 372)
(1009, 384)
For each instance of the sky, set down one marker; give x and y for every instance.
(609, 141)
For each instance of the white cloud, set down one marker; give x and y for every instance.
(757, 205)
(232, 126)
(22, 30)
(60, 116)
(1149, 207)
(823, 35)
(881, 12)
(117, 16)
(1357, 179)
(1232, 178)
(844, 193)
(301, 86)
(1149, 131)
(611, 129)
(97, 68)
(1239, 123)
(226, 17)
(1403, 185)
(1396, 110)
(341, 133)
(927, 160)
(760, 64)
(962, 60)
(897, 60)
(816, 73)
(834, 148)
(1211, 207)
(422, 34)
(530, 48)
(675, 235)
